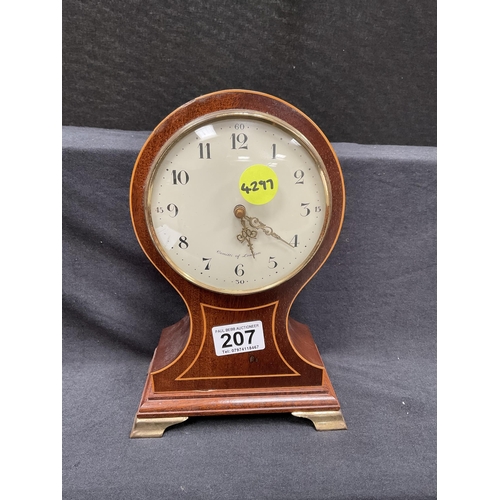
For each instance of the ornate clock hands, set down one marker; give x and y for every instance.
(247, 234)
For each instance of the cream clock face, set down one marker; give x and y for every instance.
(237, 202)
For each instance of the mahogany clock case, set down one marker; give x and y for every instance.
(370, 308)
(187, 378)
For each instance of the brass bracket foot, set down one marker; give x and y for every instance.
(153, 427)
(324, 420)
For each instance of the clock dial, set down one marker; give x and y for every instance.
(237, 202)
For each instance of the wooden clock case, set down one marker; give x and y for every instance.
(185, 377)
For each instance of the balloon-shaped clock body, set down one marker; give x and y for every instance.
(237, 198)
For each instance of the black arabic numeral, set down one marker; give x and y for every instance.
(204, 151)
(172, 208)
(225, 344)
(251, 332)
(307, 210)
(299, 175)
(183, 242)
(181, 177)
(239, 141)
(238, 338)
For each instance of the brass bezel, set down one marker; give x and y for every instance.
(221, 115)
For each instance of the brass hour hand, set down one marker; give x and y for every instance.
(241, 213)
(247, 235)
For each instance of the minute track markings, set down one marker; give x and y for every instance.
(270, 225)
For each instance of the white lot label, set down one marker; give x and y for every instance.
(238, 338)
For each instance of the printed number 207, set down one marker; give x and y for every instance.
(237, 337)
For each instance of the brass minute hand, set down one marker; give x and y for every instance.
(254, 222)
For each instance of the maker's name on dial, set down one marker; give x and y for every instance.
(237, 255)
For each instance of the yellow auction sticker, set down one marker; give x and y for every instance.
(258, 184)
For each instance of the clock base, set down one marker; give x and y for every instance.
(274, 386)
(153, 427)
(156, 427)
(324, 420)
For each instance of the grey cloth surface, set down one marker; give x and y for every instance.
(371, 310)
(366, 71)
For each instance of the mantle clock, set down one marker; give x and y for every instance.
(237, 198)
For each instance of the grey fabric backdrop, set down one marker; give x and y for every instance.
(364, 71)
(371, 310)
